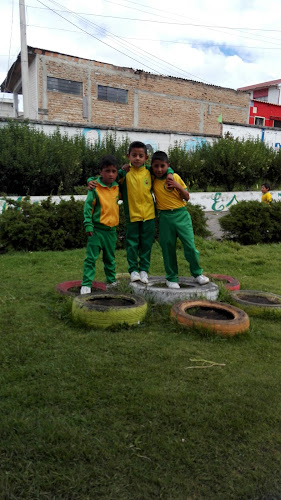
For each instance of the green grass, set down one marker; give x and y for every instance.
(89, 414)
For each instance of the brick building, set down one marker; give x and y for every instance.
(64, 88)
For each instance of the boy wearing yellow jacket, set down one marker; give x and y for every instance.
(101, 216)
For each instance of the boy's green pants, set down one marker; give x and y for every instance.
(104, 241)
(139, 240)
(175, 224)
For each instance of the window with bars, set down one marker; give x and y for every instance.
(66, 86)
(112, 94)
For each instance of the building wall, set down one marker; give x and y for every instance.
(264, 110)
(154, 102)
(32, 90)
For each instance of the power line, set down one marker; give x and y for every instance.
(119, 40)
(190, 42)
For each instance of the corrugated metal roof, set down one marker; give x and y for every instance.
(262, 85)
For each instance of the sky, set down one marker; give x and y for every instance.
(229, 43)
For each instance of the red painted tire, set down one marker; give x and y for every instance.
(231, 283)
(237, 320)
(66, 287)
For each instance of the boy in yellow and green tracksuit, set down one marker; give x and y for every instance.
(174, 221)
(101, 216)
(136, 190)
(266, 196)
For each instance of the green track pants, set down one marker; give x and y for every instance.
(139, 240)
(104, 241)
(175, 224)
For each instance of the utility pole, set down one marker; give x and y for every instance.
(24, 60)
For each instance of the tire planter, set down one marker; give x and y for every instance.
(229, 282)
(73, 287)
(206, 314)
(257, 303)
(157, 290)
(102, 310)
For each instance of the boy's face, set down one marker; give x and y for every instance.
(108, 174)
(160, 167)
(264, 189)
(137, 157)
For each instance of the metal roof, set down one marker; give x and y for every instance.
(271, 83)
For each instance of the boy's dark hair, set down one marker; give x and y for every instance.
(107, 161)
(160, 155)
(266, 185)
(138, 144)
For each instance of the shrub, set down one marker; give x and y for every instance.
(50, 226)
(252, 222)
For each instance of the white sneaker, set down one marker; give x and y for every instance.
(144, 277)
(85, 289)
(202, 280)
(172, 284)
(135, 276)
(111, 285)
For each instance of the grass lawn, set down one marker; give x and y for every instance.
(91, 414)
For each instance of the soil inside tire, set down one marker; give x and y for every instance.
(210, 313)
(259, 299)
(112, 302)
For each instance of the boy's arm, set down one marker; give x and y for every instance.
(92, 184)
(88, 207)
(171, 183)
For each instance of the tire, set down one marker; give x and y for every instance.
(231, 283)
(90, 310)
(68, 287)
(251, 302)
(163, 295)
(237, 322)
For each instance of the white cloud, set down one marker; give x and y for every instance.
(214, 52)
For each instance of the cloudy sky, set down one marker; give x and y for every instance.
(231, 43)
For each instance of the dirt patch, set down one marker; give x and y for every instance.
(210, 313)
(112, 302)
(260, 299)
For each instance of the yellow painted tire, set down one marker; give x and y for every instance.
(102, 310)
(238, 321)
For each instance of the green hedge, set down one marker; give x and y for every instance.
(50, 226)
(33, 163)
(253, 222)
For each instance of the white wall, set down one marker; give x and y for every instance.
(210, 202)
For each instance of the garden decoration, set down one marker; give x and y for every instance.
(102, 310)
(229, 282)
(257, 303)
(215, 316)
(157, 290)
(73, 287)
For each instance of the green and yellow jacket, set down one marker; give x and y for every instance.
(101, 209)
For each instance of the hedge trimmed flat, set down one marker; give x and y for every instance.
(73, 287)
(102, 310)
(157, 290)
(215, 316)
(257, 303)
(230, 283)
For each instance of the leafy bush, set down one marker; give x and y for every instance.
(252, 222)
(50, 226)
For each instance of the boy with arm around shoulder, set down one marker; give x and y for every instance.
(174, 221)
(101, 216)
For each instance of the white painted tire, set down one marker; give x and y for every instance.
(157, 290)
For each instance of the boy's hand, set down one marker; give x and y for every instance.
(171, 183)
(126, 167)
(89, 233)
(92, 185)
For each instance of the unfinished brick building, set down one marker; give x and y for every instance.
(64, 88)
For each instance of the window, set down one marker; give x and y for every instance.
(277, 123)
(112, 94)
(66, 86)
(259, 121)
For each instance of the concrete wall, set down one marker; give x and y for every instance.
(210, 202)
(154, 102)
